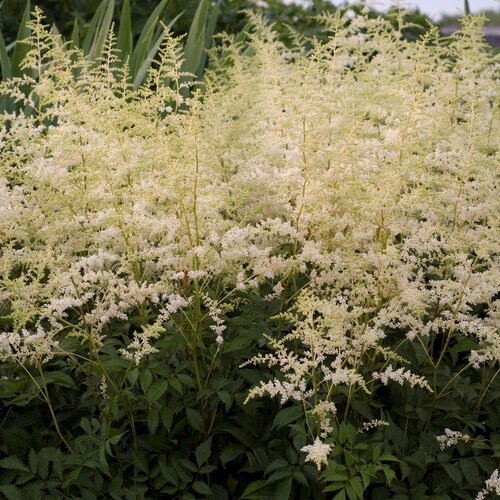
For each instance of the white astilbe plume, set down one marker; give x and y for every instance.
(492, 485)
(451, 438)
(355, 178)
(317, 452)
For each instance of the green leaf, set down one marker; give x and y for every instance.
(13, 463)
(253, 488)
(141, 52)
(195, 420)
(335, 472)
(454, 472)
(99, 28)
(287, 415)
(470, 470)
(279, 463)
(347, 433)
(195, 43)
(230, 452)
(167, 417)
(43, 464)
(4, 60)
(132, 375)
(354, 489)
(145, 379)
(60, 378)
(75, 33)
(156, 390)
(124, 40)
(21, 49)
(202, 488)
(340, 495)
(11, 492)
(32, 461)
(284, 490)
(202, 452)
(153, 419)
(226, 398)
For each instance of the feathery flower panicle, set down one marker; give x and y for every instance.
(451, 438)
(492, 485)
(401, 375)
(317, 452)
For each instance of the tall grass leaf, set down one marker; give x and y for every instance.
(195, 43)
(75, 34)
(141, 73)
(124, 41)
(209, 34)
(146, 63)
(21, 49)
(102, 33)
(143, 46)
(5, 68)
(93, 26)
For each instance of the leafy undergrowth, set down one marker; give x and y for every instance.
(317, 224)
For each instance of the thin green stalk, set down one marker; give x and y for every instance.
(51, 409)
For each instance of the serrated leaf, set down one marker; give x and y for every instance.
(254, 488)
(470, 470)
(203, 451)
(202, 488)
(354, 489)
(231, 452)
(60, 378)
(167, 417)
(153, 420)
(145, 379)
(132, 375)
(279, 463)
(156, 390)
(32, 461)
(340, 496)
(284, 490)
(287, 415)
(454, 473)
(13, 463)
(11, 492)
(43, 464)
(347, 433)
(195, 419)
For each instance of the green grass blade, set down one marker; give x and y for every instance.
(146, 64)
(98, 30)
(209, 34)
(21, 49)
(102, 32)
(93, 26)
(75, 34)
(143, 46)
(195, 43)
(124, 41)
(4, 60)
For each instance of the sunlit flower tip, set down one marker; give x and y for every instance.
(317, 452)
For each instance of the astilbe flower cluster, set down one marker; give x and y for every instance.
(365, 164)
